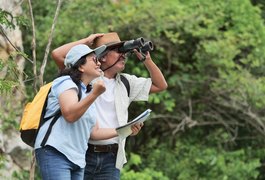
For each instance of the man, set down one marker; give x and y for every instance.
(105, 158)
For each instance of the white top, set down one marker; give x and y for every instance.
(107, 116)
(116, 113)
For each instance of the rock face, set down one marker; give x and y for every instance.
(14, 154)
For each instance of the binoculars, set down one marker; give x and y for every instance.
(140, 44)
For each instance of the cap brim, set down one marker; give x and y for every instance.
(98, 51)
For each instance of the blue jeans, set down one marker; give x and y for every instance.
(101, 166)
(54, 165)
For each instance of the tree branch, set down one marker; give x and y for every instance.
(33, 46)
(44, 62)
(4, 34)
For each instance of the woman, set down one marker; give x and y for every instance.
(63, 155)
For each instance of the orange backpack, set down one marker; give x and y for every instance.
(33, 116)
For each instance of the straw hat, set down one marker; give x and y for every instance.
(111, 40)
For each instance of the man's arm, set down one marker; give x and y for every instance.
(59, 53)
(158, 81)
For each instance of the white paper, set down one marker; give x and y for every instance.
(125, 130)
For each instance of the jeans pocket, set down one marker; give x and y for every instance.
(114, 154)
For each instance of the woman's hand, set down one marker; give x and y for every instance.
(98, 87)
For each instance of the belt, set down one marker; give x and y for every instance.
(103, 148)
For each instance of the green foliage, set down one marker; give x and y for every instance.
(261, 5)
(21, 175)
(10, 80)
(9, 120)
(146, 173)
(6, 86)
(212, 55)
(205, 49)
(190, 158)
(3, 160)
(6, 18)
(43, 12)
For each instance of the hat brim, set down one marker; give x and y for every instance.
(114, 45)
(110, 46)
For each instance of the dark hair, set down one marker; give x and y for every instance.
(74, 72)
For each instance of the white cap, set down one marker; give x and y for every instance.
(79, 51)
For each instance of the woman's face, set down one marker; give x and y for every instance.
(92, 66)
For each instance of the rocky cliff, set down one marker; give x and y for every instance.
(15, 155)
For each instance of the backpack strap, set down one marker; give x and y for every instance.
(55, 116)
(126, 84)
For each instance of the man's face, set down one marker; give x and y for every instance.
(113, 56)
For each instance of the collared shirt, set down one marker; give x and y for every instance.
(139, 91)
(68, 138)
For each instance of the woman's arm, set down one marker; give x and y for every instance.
(106, 133)
(102, 133)
(59, 53)
(71, 108)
